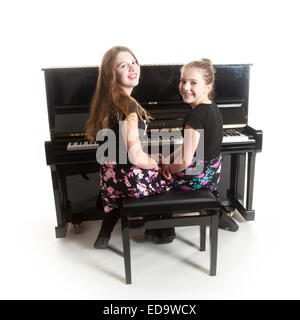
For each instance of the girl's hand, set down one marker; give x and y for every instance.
(166, 172)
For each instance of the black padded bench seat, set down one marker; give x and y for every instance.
(202, 202)
(170, 201)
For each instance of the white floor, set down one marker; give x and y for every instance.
(260, 261)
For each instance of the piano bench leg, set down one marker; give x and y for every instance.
(202, 237)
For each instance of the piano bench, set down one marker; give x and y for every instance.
(143, 213)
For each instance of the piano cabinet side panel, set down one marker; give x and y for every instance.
(83, 191)
(232, 182)
(76, 191)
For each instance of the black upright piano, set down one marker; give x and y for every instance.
(72, 159)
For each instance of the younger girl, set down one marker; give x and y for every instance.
(196, 88)
(112, 102)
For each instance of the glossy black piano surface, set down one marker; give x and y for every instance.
(75, 172)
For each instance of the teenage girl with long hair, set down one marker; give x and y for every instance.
(112, 102)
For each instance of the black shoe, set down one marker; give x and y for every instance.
(152, 235)
(108, 224)
(160, 236)
(227, 223)
(167, 235)
(101, 242)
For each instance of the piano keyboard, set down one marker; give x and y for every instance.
(231, 136)
(160, 141)
(82, 145)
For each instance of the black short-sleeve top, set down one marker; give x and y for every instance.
(208, 117)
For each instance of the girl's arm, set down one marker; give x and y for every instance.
(135, 152)
(183, 155)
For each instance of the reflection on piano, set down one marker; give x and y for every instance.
(72, 159)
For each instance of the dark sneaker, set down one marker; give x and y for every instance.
(101, 242)
(108, 224)
(227, 223)
(167, 235)
(152, 235)
(160, 236)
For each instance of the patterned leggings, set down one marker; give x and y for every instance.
(208, 179)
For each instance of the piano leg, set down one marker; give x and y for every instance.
(61, 229)
(247, 212)
(250, 185)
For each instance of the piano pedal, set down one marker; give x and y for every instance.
(230, 213)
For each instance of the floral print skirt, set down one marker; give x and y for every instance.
(208, 179)
(117, 181)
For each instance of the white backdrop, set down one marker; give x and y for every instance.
(38, 34)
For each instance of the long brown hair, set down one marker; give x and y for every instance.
(110, 103)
